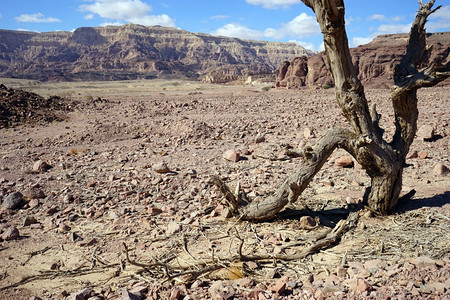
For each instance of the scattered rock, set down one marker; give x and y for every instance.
(307, 222)
(363, 286)
(422, 154)
(126, 295)
(33, 203)
(13, 200)
(154, 211)
(231, 155)
(440, 169)
(308, 133)
(279, 286)
(172, 228)
(260, 138)
(11, 233)
(344, 161)
(425, 132)
(161, 168)
(34, 193)
(412, 154)
(29, 220)
(226, 213)
(83, 294)
(40, 166)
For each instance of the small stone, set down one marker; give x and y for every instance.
(423, 261)
(29, 220)
(34, 193)
(363, 286)
(260, 138)
(13, 200)
(154, 211)
(161, 168)
(425, 132)
(375, 264)
(40, 166)
(412, 154)
(341, 271)
(33, 203)
(440, 169)
(308, 133)
(422, 154)
(307, 222)
(226, 213)
(11, 233)
(231, 155)
(344, 161)
(172, 228)
(279, 286)
(126, 295)
(175, 293)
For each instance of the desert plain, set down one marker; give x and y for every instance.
(126, 169)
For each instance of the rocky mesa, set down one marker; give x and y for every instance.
(374, 62)
(134, 51)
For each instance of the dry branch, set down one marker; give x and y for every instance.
(232, 266)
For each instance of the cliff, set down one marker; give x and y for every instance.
(374, 62)
(135, 51)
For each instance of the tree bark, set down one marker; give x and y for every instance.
(382, 161)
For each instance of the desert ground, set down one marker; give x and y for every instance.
(118, 202)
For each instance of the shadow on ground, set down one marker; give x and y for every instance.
(413, 204)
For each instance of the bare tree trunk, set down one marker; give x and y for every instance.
(383, 161)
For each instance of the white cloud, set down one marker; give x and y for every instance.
(273, 3)
(89, 16)
(219, 17)
(442, 13)
(301, 26)
(239, 31)
(36, 18)
(377, 17)
(356, 41)
(440, 20)
(393, 28)
(134, 11)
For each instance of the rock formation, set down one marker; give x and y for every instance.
(374, 62)
(135, 51)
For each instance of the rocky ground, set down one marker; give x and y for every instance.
(127, 171)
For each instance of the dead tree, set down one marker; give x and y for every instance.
(382, 160)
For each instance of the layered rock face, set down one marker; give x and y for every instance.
(374, 62)
(135, 51)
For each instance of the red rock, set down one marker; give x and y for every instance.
(279, 286)
(34, 193)
(344, 161)
(363, 286)
(11, 233)
(29, 220)
(231, 155)
(260, 138)
(154, 211)
(161, 168)
(412, 154)
(422, 154)
(307, 222)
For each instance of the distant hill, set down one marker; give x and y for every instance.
(135, 51)
(374, 62)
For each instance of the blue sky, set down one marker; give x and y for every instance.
(272, 20)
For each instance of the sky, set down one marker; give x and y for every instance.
(268, 20)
